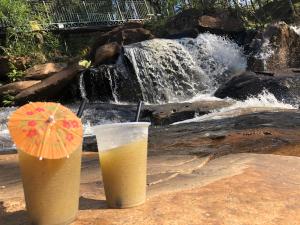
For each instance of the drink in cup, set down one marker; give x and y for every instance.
(51, 188)
(123, 160)
(48, 137)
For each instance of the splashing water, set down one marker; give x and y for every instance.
(265, 102)
(217, 56)
(162, 70)
(296, 29)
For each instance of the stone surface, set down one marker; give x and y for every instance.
(277, 47)
(49, 87)
(17, 87)
(107, 53)
(43, 71)
(125, 34)
(173, 112)
(284, 85)
(235, 189)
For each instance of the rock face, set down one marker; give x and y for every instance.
(284, 86)
(170, 113)
(43, 71)
(49, 87)
(277, 47)
(17, 87)
(126, 34)
(184, 21)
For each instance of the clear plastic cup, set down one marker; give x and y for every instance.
(123, 160)
(51, 188)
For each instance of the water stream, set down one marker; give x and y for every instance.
(162, 71)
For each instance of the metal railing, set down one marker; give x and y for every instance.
(89, 13)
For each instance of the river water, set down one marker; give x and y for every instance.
(163, 71)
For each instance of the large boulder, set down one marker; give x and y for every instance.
(107, 53)
(17, 87)
(43, 71)
(50, 87)
(222, 22)
(125, 34)
(284, 85)
(277, 47)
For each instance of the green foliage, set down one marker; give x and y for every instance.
(7, 100)
(14, 73)
(25, 35)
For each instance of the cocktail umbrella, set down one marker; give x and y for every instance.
(45, 130)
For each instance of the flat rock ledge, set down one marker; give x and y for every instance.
(183, 189)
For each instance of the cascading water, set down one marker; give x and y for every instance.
(162, 70)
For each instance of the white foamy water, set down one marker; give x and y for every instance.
(165, 71)
(296, 29)
(265, 102)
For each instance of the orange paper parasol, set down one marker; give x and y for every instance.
(45, 130)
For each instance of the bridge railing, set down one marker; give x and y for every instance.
(87, 13)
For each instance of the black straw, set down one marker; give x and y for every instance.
(138, 111)
(82, 107)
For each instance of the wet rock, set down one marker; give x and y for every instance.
(50, 87)
(125, 34)
(16, 87)
(43, 71)
(170, 113)
(107, 53)
(277, 47)
(284, 86)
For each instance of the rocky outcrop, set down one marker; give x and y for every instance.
(125, 34)
(173, 112)
(284, 85)
(222, 22)
(16, 87)
(277, 47)
(42, 71)
(49, 87)
(193, 171)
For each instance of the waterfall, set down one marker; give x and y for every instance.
(163, 70)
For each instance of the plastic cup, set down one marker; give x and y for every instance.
(123, 160)
(51, 188)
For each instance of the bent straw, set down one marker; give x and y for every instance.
(82, 107)
(138, 111)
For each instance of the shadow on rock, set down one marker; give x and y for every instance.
(87, 203)
(12, 218)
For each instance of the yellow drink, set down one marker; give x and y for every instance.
(124, 174)
(51, 188)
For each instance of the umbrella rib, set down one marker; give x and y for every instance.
(61, 144)
(43, 142)
(69, 131)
